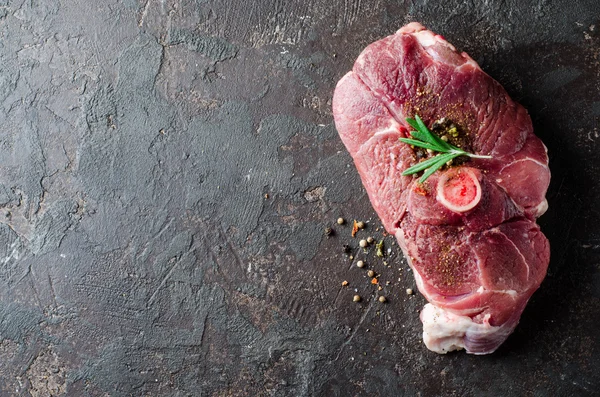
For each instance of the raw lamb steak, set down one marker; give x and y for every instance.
(479, 260)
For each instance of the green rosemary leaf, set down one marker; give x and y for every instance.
(441, 160)
(423, 128)
(413, 123)
(422, 165)
(420, 134)
(424, 138)
(417, 143)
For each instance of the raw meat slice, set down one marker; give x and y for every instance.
(469, 231)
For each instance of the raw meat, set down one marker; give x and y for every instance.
(478, 258)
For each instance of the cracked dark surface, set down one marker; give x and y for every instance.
(168, 170)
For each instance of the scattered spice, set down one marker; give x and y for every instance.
(340, 221)
(328, 231)
(421, 189)
(360, 224)
(380, 249)
(360, 264)
(382, 299)
(374, 281)
(344, 283)
(379, 288)
(370, 240)
(371, 273)
(363, 243)
(409, 291)
(356, 298)
(266, 196)
(354, 228)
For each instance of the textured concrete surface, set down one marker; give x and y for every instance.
(167, 170)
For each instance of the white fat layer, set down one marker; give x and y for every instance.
(444, 331)
(510, 292)
(426, 38)
(541, 208)
(418, 280)
(392, 128)
(411, 28)
(343, 79)
(525, 159)
(402, 243)
(360, 61)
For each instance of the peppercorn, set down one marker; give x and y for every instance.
(382, 299)
(340, 221)
(371, 273)
(363, 243)
(360, 264)
(356, 298)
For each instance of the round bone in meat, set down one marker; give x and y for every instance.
(458, 189)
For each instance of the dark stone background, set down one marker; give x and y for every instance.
(167, 171)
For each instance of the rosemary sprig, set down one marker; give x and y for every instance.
(423, 138)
